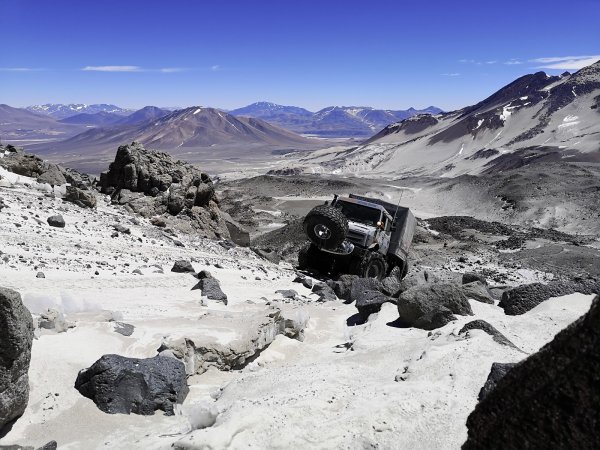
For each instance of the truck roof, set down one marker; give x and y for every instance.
(366, 204)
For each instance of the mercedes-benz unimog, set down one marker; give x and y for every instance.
(357, 235)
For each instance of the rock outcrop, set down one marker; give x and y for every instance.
(16, 335)
(154, 184)
(21, 163)
(120, 385)
(549, 400)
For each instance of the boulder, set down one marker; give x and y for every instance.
(471, 277)
(343, 286)
(211, 289)
(523, 298)
(16, 336)
(429, 299)
(477, 291)
(369, 302)
(287, 293)
(120, 385)
(497, 372)
(549, 400)
(182, 266)
(434, 319)
(82, 198)
(324, 292)
(52, 175)
(56, 221)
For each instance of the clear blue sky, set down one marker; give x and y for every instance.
(387, 54)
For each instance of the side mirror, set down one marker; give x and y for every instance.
(380, 224)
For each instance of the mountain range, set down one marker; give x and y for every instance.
(537, 118)
(333, 121)
(60, 111)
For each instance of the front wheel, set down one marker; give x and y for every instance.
(372, 265)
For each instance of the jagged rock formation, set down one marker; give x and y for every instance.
(16, 335)
(21, 163)
(154, 184)
(120, 385)
(550, 400)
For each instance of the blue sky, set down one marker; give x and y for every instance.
(386, 54)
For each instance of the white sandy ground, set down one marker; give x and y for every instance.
(336, 389)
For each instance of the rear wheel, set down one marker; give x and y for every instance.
(326, 226)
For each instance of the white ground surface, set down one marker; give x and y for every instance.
(336, 389)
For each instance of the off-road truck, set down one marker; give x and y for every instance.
(357, 235)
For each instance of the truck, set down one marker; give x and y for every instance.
(357, 235)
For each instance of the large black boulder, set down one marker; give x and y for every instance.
(524, 298)
(549, 400)
(16, 336)
(120, 385)
(434, 303)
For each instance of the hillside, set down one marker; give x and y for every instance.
(536, 118)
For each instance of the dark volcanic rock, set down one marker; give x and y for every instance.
(325, 292)
(34, 167)
(211, 289)
(497, 372)
(16, 335)
(434, 319)
(139, 179)
(470, 277)
(83, 198)
(489, 329)
(56, 221)
(343, 286)
(182, 266)
(431, 298)
(120, 385)
(478, 291)
(521, 299)
(549, 400)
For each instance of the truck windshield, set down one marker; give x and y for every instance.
(359, 213)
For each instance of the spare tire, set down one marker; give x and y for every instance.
(326, 226)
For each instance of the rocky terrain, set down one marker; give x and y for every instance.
(150, 328)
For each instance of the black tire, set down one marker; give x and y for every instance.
(326, 226)
(372, 265)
